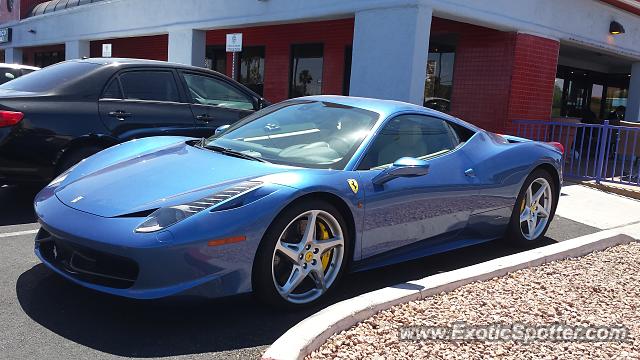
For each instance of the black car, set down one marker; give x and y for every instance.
(55, 117)
(9, 72)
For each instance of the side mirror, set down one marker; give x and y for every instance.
(403, 167)
(221, 129)
(263, 103)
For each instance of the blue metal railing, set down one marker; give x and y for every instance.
(600, 152)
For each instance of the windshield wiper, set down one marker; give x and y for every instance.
(231, 152)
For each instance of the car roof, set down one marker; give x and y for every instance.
(383, 107)
(18, 66)
(387, 108)
(138, 62)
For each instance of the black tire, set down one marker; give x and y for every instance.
(514, 235)
(263, 282)
(74, 157)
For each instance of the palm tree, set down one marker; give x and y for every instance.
(305, 78)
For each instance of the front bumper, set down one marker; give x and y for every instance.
(105, 254)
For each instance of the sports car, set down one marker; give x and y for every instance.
(286, 201)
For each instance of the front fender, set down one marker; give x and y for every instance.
(341, 185)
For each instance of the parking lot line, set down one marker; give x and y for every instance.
(18, 233)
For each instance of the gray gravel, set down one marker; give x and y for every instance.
(601, 289)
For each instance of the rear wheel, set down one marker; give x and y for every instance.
(534, 209)
(302, 256)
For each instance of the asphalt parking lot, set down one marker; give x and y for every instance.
(44, 316)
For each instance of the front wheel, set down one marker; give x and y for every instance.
(302, 255)
(534, 209)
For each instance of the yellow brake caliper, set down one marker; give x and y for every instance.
(323, 234)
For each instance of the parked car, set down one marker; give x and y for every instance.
(9, 72)
(57, 116)
(287, 200)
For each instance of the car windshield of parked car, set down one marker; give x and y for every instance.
(314, 134)
(50, 77)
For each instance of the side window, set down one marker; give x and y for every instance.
(150, 85)
(416, 136)
(112, 91)
(205, 90)
(8, 74)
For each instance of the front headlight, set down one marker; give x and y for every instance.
(167, 216)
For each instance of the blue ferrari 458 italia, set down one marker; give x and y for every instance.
(287, 200)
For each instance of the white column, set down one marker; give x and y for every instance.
(76, 49)
(187, 47)
(13, 55)
(633, 101)
(390, 51)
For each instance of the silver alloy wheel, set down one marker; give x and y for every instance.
(535, 209)
(298, 259)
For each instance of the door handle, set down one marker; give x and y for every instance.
(204, 118)
(470, 172)
(120, 114)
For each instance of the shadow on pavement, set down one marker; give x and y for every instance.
(17, 204)
(179, 326)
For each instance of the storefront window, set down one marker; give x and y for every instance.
(46, 58)
(588, 95)
(252, 68)
(597, 91)
(558, 88)
(216, 59)
(439, 82)
(306, 70)
(616, 100)
(346, 82)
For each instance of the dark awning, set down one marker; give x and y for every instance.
(57, 5)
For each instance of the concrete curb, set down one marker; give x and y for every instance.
(621, 190)
(311, 333)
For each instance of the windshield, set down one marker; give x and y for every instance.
(49, 77)
(303, 133)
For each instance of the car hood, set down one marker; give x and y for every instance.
(152, 174)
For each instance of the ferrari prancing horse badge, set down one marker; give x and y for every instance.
(353, 184)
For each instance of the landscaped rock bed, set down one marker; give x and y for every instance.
(600, 289)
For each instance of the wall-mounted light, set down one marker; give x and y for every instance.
(32, 31)
(615, 28)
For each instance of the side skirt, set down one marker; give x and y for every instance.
(412, 252)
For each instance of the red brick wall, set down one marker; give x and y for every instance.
(26, 6)
(533, 75)
(630, 7)
(145, 47)
(277, 39)
(500, 76)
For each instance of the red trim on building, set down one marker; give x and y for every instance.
(27, 5)
(336, 35)
(155, 47)
(634, 9)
